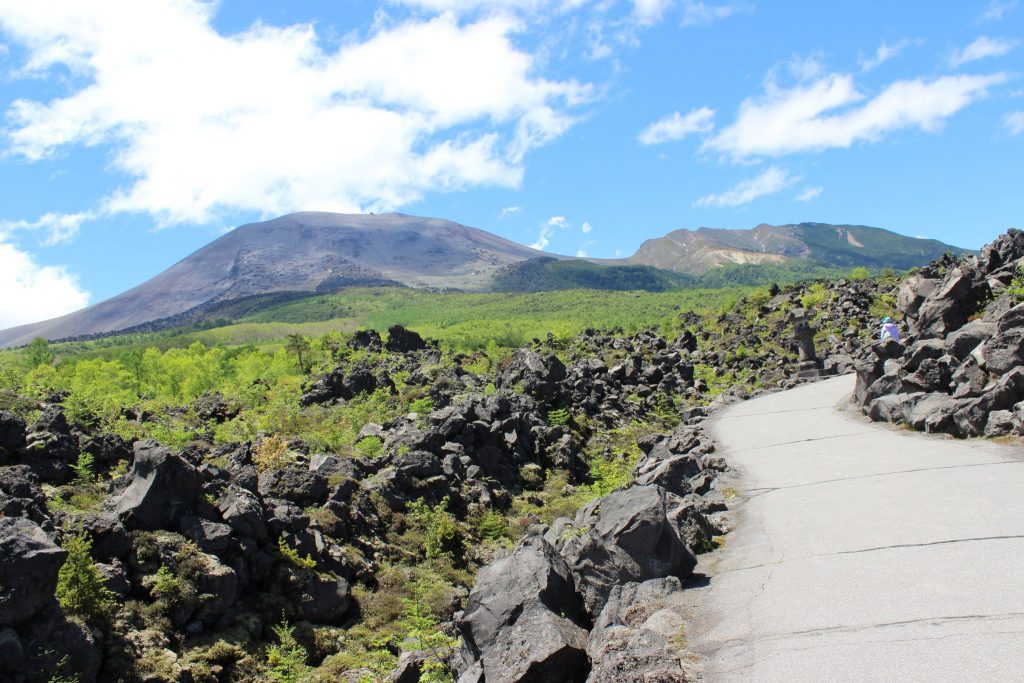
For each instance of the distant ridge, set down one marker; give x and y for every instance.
(696, 252)
(301, 254)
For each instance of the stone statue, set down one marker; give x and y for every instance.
(804, 334)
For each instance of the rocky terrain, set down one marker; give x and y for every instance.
(960, 368)
(533, 519)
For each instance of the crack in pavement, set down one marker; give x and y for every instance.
(775, 412)
(755, 492)
(895, 546)
(761, 447)
(935, 621)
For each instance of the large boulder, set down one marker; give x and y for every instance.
(628, 535)
(961, 342)
(29, 563)
(244, 512)
(639, 635)
(401, 340)
(297, 484)
(523, 620)
(345, 384)
(528, 371)
(1003, 352)
(50, 447)
(163, 487)
(21, 495)
(12, 437)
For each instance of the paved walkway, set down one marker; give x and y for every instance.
(862, 552)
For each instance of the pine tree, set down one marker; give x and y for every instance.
(81, 589)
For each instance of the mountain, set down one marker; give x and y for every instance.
(840, 246)
(301, 252)
(262, 264)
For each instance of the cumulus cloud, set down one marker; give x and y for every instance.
(982, 48)
(268, 121)
(1014, 122)
(547, 229)
(586, 228)
(883, 54)
(810, 193)
(676, 126)
(34, 292)
(697, 13)
(821, 114)
(772, 180)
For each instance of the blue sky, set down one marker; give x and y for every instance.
(132, 133)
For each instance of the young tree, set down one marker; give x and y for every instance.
(38, 352)
(81, 589)
(298, 345)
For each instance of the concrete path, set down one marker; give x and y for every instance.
(862, 552)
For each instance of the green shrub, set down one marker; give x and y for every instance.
(860, 273)
(370, 447)
(292, 556)
(1016, 288)
(422, 406)
(84, 468)
(559, 416)
(441, 533)
(81, 589)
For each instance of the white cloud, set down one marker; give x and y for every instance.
(580, 253)
(1014, 122)
(547, 229)
(996, 10)
(697, 13)
(649, 12)
(676, 126)
(58, 227)
(586, 228)
(268, 121)
(805, 118)
(883, 54)
(33, 292)
(510, 211)
(772, 180)
(982, 48)
(809, 194)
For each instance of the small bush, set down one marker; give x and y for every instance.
(292, 556)
(1016, 288)
(370, 447)
(441, 533)
(559, 416)
(272, 454)
(422, 406)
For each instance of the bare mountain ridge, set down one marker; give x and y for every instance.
(312, 251)
(301, 252)
(698, 251)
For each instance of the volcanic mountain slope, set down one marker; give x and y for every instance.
(844, 246)
(301, 252)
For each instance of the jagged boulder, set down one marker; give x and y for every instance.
(344, 384)
(366, 339)
(523, 620)
(163, 487)
(297, 484)
(628, 535)
(401, 340)
(639, 635)
(29, 562)
(21, 495)
(539, 377)
(243, 511)
(50, 447)
(12, 437)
